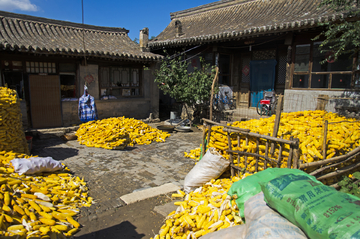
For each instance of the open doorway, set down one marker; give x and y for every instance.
(14, 80)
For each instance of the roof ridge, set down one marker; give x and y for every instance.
(43, 20)
(208, 7)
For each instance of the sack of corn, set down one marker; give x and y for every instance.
(249, 186)
(319, 210)
(212, 165)
(42, 205)
(117, 133)
(202, 211)
(12, 136)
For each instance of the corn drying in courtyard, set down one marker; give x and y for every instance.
(117, 133)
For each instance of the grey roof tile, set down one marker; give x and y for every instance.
(229, 19)
(29, 34)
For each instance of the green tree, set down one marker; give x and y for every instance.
(343, 35)
(136, 40)
(190, 88)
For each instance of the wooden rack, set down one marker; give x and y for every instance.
(245, 134)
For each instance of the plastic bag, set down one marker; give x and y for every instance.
(261, 222)
(212, 165)
(319, 210)
(264, 222)
(249, 186)
(35, 165)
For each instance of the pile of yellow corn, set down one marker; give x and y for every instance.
(41, 205)
(204, 210)
(116, 133)
(12, 137)
(307, 126)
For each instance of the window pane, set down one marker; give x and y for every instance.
(357, 80)
(317, 58)
(344, 63)
(116, 78)
(302, 57)
(341, 81)
(116, 92)
(301, 81)
(135, 77)
(125, 77)
(126, 92)
(319, 81)
(104, 77)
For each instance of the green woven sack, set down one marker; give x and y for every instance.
(249, 186)
(319, 210)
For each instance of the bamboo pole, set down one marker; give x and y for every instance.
(212, 92)
(231, 156)
(236, 129)
(252, 154)
(290, 155)
(204, 142)
(331, 160)
(277, 122)
(340, 171)
(278, 140)
(333, 165)
(325, 138)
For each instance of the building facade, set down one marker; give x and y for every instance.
(48, 62)
(263, 45)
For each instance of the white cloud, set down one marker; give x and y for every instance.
(23, 5)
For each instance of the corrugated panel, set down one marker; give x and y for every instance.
(45, 101)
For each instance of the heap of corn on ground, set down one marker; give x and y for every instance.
(117, 133)
(34, 206)
(12, 137)
(308, 126)
(204, 210)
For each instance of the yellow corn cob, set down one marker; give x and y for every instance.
(18, 210)
(72, 222)
(46, 221)
(61, 227)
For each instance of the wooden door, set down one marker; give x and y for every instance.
(45, 101)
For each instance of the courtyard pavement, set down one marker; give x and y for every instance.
(111, 174)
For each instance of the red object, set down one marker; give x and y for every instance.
(265, 102)
(246, 70)
(29, 141)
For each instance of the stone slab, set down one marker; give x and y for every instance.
(149, 193)
(166, 208)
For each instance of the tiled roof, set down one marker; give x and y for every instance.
(236, 19)
(41, 35)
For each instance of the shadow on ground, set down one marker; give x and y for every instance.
(123, 230)
(45, 148)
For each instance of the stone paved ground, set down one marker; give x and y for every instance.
(114, 173)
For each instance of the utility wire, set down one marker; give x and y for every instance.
(82, 9)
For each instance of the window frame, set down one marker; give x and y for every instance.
(109, 87)
(310, 71)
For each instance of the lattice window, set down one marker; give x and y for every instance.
(281, 77)
(40, 67)
(264, 55)
(120, 82)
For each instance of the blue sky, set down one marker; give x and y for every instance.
(133, 15)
